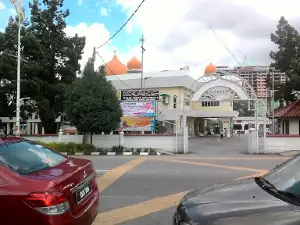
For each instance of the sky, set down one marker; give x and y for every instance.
(177, 32)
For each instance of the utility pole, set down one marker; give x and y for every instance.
(19, 10)
(142, 61)
(272, 104)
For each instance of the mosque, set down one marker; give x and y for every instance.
(180, 94)
(183, 101)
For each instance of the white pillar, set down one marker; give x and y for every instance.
(8, 128)
(186, 140)
(28, 127)
(36, 128)
(121, 138)
(60, 134)
(185, 134)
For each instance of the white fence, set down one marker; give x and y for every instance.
(160, 142)
(282, 143)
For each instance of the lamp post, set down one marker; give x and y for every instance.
(19, 10)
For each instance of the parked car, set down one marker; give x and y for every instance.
(39, 186)
(267, 200)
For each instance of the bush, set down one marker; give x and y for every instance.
(118, 149)
(71, 148)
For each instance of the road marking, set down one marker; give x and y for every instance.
(254, 175)
(145, 208)
(114, 174)
(212, 165)
(101, 171)
(222, 158)
(135, 211)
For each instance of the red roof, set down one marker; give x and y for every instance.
(291, 110)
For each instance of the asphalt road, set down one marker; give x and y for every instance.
(145, 190)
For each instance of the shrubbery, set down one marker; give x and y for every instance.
(71, 148)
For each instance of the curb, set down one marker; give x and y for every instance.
(114, 154)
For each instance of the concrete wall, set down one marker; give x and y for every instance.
(161, 142)
(282, 143)
(294, 126)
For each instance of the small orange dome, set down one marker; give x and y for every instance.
(134, 64)
(210, 69)
(115, 67)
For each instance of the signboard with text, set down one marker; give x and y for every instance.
(139, 95)
(138, 116)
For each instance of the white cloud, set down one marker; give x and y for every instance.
(96, 34)
(103, 11)
(129, 27)
(177, 32)
(80, 2)
(2, 6)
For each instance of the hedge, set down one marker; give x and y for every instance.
(71, 148)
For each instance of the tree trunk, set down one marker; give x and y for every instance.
(91, 137)
(85, 138)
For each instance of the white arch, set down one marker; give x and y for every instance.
(221, 83)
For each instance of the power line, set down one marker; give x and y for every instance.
(118, 31)
(111, 70)
(227, 48)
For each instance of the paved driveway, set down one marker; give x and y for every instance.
(213, 146)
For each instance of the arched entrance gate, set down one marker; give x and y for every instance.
(219, 88)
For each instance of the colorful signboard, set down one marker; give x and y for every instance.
(140, 95)
(138, 116)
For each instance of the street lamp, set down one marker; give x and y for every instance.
(19, 10)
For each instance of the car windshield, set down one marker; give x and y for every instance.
(286, 177)
(27, 157)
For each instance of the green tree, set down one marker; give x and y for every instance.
(54, 60)
(92, 105)
(243, 108)
(286, 59)
(52, 63)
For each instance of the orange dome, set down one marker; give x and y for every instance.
(115, 67)
(210, 69)
(134, 64)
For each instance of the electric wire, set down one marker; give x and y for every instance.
(118, 31)
(111, 70)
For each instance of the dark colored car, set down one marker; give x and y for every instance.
(39, 186)
(273, 199)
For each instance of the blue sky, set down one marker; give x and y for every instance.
(176, 34)
(105, 12)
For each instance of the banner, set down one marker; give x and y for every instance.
(140, 95)
(138, 116)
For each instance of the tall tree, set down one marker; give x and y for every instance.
(286, 59)
(50, 62)
(54, 61)
(92, 105)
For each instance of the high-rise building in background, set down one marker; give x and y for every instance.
(257, 77)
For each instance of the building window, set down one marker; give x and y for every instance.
(210, 104)
(174, 101)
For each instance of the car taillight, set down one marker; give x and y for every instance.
(50, 203)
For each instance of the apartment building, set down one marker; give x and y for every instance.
(256, 76)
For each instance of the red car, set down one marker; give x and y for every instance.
(39, 186)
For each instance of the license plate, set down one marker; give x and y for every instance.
(81, 194)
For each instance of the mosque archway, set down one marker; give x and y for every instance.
(223, 88)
